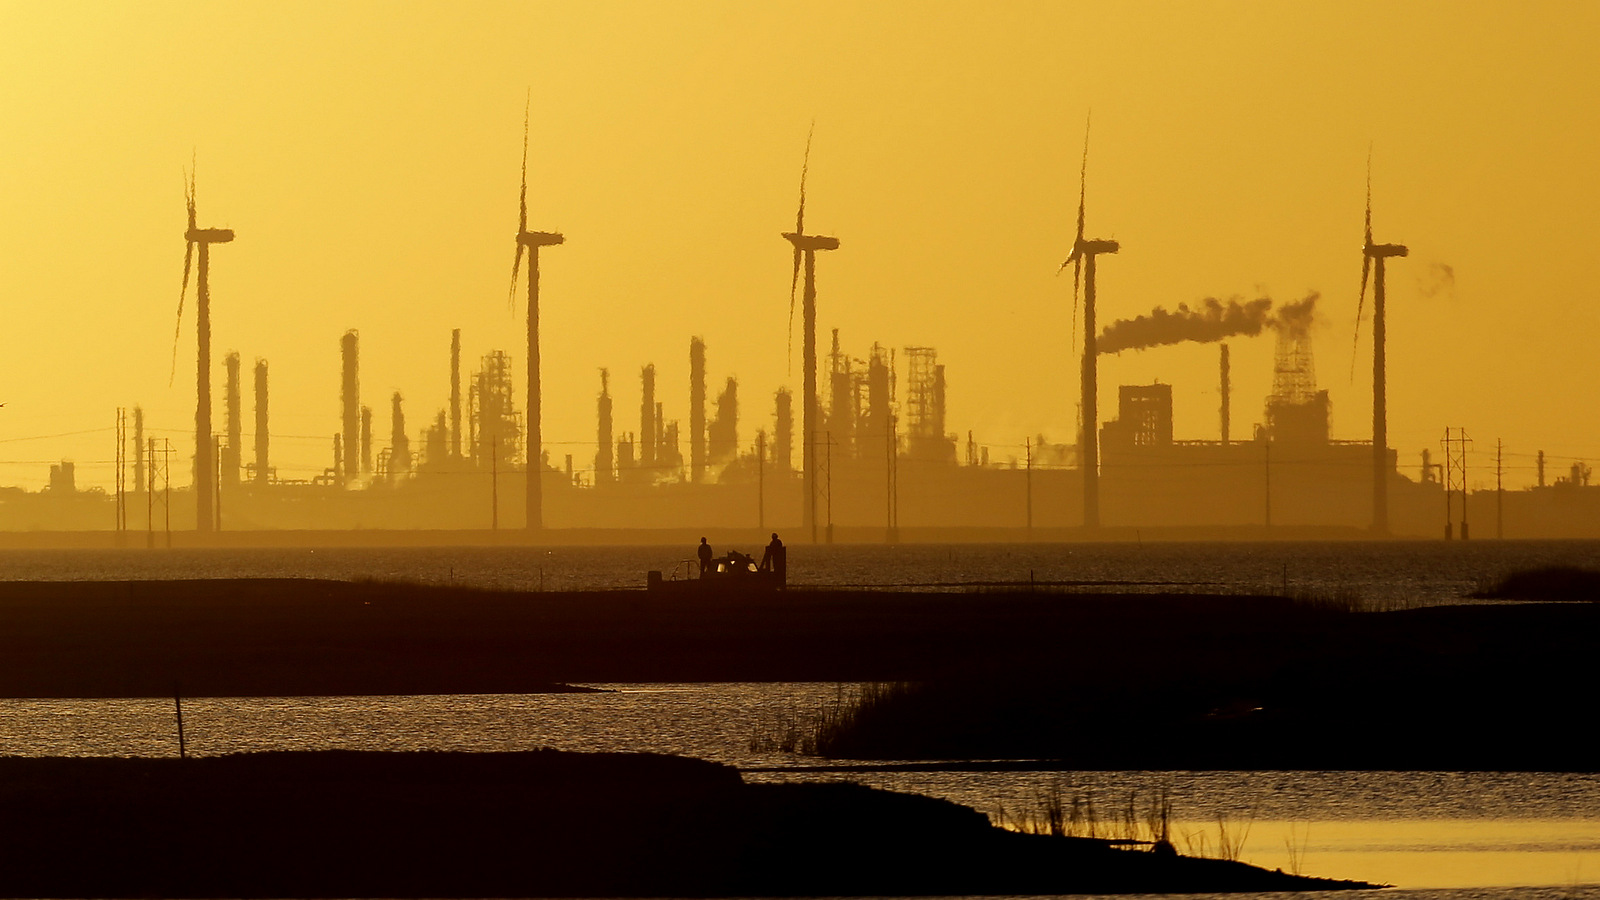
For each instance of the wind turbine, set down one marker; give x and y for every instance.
(805, 248)
(1082, 260)
(1374, 255)
(203, 238)
(531, 241)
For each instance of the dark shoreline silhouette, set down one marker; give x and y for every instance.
(536, 824)
(1097, 680)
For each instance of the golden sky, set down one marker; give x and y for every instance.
(367, 155)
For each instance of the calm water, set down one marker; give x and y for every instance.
(1443, 836)
(1434, 830)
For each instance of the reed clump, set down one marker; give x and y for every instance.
(1141, 819)
(826, 729)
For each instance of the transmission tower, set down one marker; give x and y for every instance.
(1455, 444)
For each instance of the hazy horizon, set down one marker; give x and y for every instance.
(367, 156)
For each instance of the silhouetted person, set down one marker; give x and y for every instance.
(776, 559)
(705, 559)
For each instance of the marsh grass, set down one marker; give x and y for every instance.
(1062, 812)
(1295, 843)
(820, 730)
(1141, 819)
(1226, 842)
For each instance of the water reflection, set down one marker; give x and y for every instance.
(1441, 830)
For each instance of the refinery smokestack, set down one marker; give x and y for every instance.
(230, 455)
(783, 432)
(455, 394)
(1226, 389)
(722, 443)
(647, 417)
(138, 450)
(261, 422)
(603, 468)
(697, 408)
(399, 443)
(366, 440)
(350, 396)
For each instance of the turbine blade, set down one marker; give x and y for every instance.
(1369, 195)
(188, 257)
(516, 266)
(188, 195)
(1077, 275)
(794, 281)
(1083, 183)
(1361, 305)
(805, 166)
(522, 213)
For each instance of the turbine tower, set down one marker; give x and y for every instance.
(1374, 255)
(1082, 260)
(805, 248)
(204, 466)
(531, 241)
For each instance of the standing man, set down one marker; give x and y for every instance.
(776, 559)
(705, 559)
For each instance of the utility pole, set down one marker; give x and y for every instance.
(122, 460)
(827, 451)
(216, 460)
(1499, 492)
(761, 480)
(892, 484)
(150, 499)
(494, 482)
(166, 482)
(1266, 472)
(1464, 532)
(1029, 445)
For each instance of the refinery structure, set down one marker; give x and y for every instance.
(865, 452)
(699, 456)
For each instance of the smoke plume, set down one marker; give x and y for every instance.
(1296, 316)
(1209, 320)
(1439, 278)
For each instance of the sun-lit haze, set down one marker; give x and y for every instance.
(367, 156)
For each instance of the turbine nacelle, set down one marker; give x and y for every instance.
(1384, 251)
(208, 235)
(539, 239)
(805, 242)
(1090, 248)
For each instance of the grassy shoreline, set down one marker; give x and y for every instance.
(539, 824)
(1093, 681)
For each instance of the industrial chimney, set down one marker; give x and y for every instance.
(647, 417)
(604, 470)
(399, 444)
(138, 450)
(231, 453)
(783, 432)
(455, 394)
(366, 440)
(697, 408)
(1226, 390)
(350, 396)
(261, 422)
